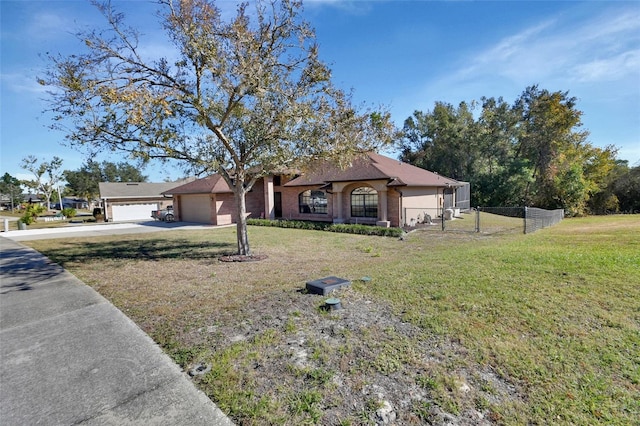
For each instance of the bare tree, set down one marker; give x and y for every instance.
(243, 99)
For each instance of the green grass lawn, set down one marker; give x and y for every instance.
(543, 328)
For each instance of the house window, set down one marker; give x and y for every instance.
(364, 202)
(312, 202)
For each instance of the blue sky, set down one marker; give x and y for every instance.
(404, 55)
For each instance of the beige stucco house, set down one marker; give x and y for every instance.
(374, 189)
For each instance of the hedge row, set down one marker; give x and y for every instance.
(331, 227)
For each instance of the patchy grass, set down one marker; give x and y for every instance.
(463, 327)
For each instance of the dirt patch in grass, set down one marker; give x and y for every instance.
(363, 362)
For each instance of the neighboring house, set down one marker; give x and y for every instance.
(124, 201)
(5, 202)
(374, 190)
(68, 202)
(30, 198)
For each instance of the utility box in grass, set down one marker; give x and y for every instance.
(324, 286)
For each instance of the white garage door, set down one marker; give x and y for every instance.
(123, 212)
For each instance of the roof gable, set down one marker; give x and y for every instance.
(213, 184)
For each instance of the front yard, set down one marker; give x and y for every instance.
(460, 327)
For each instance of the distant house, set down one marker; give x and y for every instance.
(30, 198)
(374, 190)
(129, 201)
(68, 202)
(5, 202)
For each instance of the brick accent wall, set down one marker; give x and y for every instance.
(225, 210)
(393, 207)
(291, 208)
(255, 200)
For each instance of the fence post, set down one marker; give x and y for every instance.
(525, 219)
(478, 219)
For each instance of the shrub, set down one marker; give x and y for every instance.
(325, 226)
(367, 230)
(69, 212)
(27, 218)
(31, 214)
(294, 224)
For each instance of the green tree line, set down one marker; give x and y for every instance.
(84, 181)
(530, 153)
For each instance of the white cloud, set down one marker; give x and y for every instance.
(351, 7)
(612, 68)
(601, 49)
(21, 83)
(506, 51)
(47, 25)
(612, 26)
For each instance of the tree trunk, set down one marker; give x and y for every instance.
(241, 221)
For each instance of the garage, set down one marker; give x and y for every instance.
(196, 208)
(124, 212)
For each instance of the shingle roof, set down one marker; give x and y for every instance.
(134, 189)
(372, 167)
(213, 184)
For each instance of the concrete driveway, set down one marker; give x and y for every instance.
(101, 229)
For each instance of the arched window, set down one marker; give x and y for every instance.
(364, 202)
(312, 202)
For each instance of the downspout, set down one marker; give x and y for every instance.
(403, 214)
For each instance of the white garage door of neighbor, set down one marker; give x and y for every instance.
(133, 211)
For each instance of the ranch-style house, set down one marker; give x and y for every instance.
(374, 189)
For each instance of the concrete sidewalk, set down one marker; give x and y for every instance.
(67, 356)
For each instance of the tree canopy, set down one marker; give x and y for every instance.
(622, 192)
(84, 181)
(47, 174)
(530, 153)
(242, 98)
(12, 188)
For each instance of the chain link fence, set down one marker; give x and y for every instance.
(486, 220)
(535, 218)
